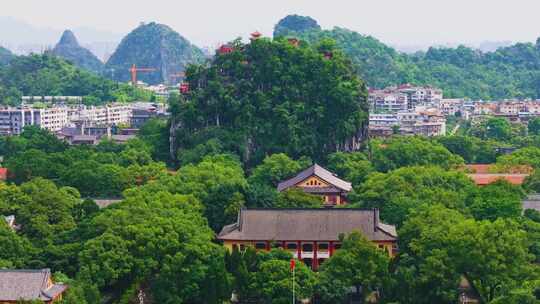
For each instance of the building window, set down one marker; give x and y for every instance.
(260, 246)
(337, 246)
(307, 247)
(242, 247)
(277, 245)
(291, 246)
(323, 246)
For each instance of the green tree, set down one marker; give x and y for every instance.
(441, 246)
(358, 263)
(534, 126)
(400, 152)
(354, 167)
(274, 281)
(399, 192)
(242, 96)
(497, 200)
(276, 168)
(297, 198)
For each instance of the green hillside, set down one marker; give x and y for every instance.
(48, 75)
(510, 72)
(155, 46)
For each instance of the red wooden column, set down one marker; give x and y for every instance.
(299, 250)
(315, 263)
(267, 245)
(330, 248)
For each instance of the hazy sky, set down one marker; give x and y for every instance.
(405, 22)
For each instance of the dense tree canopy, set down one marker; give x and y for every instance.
(47, 75)
(399, 152)
(264, 98)
(509, 72)
(441, 247)
(398, 192)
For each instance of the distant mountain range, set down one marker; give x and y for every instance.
(23, 38)
(511, 71)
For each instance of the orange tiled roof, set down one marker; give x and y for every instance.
(478, 168)
(486, 179)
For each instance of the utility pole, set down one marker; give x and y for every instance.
(293, 266)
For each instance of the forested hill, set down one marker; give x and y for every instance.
(5, 56)
(264, 97)
(510, 72)
(69, 48)
(155, 46)
(48, 75)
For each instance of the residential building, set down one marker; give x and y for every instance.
(485, 174)
(489, 178)
(426, 122)
(311, 235)
(319, 181)
(29, 285)
(388, 102)
(449, 107)
(144, 111)
(402, 98)
(13, 120)
(108, 115)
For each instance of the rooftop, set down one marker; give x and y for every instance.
(28, 285)
(486, 179)
(321, 173)
(307, 225)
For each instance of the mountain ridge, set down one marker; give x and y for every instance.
(69, 48)
(157, 46)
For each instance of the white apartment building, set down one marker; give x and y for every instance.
(113, 114)
(449, 107)
(422, 122)
(403, 98)
(388, 102)
(13, 120)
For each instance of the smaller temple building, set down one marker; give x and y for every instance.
(319, 181)
(29, 285)
(311, 235)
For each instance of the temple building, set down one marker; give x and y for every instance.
(311, 235)
(34, 286)
(319, 181)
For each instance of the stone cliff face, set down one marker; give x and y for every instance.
(154, 46)
(69, 48)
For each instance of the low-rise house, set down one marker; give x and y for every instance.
(311, 235)
(485, 174)
(319, 181)
(490, 178)
(29, 285)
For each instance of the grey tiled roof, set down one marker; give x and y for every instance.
(320, 172)
(28, 285)
(306, 225)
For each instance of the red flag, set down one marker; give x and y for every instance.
(293, 264)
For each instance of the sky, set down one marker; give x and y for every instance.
(207, 23)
